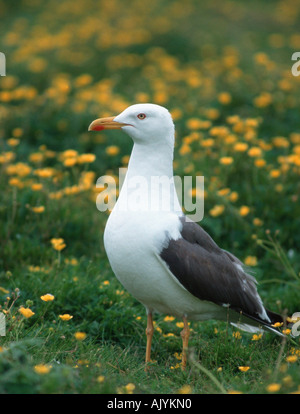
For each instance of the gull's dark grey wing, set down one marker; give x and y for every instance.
(213, 274)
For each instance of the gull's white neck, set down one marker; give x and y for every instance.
(149, 183)
(151, 160)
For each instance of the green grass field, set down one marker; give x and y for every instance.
(223, 69)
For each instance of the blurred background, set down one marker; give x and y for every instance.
(223, 69)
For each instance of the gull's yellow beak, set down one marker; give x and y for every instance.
(105, 123)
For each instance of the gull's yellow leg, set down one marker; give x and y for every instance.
(149, 333)
(185, 334)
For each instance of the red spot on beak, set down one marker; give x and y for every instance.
(98, 128)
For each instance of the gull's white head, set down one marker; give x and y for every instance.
(144, 123)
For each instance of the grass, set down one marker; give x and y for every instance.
(223, 70)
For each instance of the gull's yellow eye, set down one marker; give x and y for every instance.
(141, 116)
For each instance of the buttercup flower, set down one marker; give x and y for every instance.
(80, 336)
(244, 211)
(244, 369)
(48, 297)
(65, 317)
(42, 369)
(251, 261)
(274, 387)
(27, 312)
(58, 244)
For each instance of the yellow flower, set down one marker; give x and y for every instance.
(17, 132)
(277, 324)
(206, 143)
(58, 244)
(244, 211)
(101, 378)
(83, 80)
(256, 337)
(36, 186)
(36, 157)
(70, 153)
(257, 222)
(263, 100)
(224, 192)
(38, 209)
(237, 335)
(184, 149)
(59, 247)
(260, 162)
(194, 123)
(275, 173)
(56, 241)
(217, 210)
(70, 162)
(274, 387)
(13, 142)
(178, 356)
(291, 358)
(80, 336)
(65, 317)
(254, 152)
(130, 388)
(42, 369)
(244, 369)
(288, 381)
(212, 113)
(47, 298)
(27, 312)
(46, 172)
(15, 182)
(185, 389)
(233, 196)
(230, 139)
(240, 147)
(293, 319)
(224, 98)
(86, 158)
(226, 160)
(21, 169)
(112, 150)
(7, 157)
(281, 142)
(251, 261)
(169, 318)
(125, 159)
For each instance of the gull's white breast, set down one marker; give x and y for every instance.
(133, 241)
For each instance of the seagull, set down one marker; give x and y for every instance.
(166, 261)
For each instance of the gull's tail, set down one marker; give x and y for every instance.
(255, 324)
